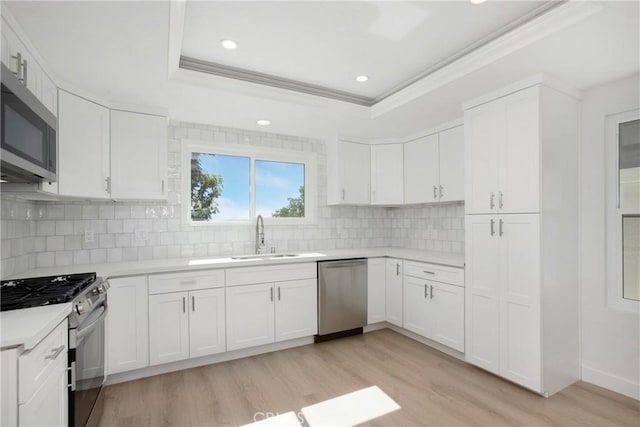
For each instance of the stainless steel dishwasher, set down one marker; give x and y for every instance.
(342, 298)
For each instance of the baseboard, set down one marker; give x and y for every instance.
(611, 382)
(206, 360)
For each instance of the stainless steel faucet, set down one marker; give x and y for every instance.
(259, 234)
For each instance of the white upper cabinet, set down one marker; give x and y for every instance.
(22, 62)
(434, 167)
(502, 142)
(451, 155)
(138, 156)
(387, 178)
(421, 170)
(348, 173)
(83, 148)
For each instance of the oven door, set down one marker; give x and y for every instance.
(87, 358)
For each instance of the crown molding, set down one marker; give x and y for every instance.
(544, 25)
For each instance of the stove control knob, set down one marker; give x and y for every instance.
(79, 308)
(99, 290)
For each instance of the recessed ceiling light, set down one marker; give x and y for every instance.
(263, 122)
(229, 44)
(477, 1)
(362, 79)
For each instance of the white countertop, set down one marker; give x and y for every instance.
(183, 264)
(28, 326)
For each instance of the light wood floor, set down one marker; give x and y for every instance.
(432, 389)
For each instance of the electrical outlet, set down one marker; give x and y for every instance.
(140, 235)
(89, 236)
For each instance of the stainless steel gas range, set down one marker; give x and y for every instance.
(87, 294)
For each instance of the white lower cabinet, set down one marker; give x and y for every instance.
(394, 291)
(250, 315)
(42, 381)
(127, 324)
(433, 309)
(206, 322)
(168, 328)
(264, 313)
(183, 325)
(376, 290)
(503, 296)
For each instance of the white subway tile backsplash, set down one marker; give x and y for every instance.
(44, 234)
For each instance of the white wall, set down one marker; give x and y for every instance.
(610, 338)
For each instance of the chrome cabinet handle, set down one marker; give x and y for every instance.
(492, 230)
(435, 195)
(397, 269)
(72, 380)
(430, 291)
(343, 194)
(193, 303)
(425, 290)
(184, 305)
(24, 72)
(500, 204)
(19, 65)
(107, 182)
(163, 186)
(271, 294)
(491, 203)
(278, 293)
(441, 194)
(188, 282)
(429, 272)
(55, 353)
(500, 232)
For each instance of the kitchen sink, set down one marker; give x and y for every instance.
(265, 256)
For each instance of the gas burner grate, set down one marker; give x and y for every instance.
(39, 291)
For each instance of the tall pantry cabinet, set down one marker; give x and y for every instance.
(521, 226)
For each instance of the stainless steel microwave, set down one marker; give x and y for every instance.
(28, 134)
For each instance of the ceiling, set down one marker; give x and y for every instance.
(328, 44)
(119, 53)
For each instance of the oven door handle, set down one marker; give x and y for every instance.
(81, 333)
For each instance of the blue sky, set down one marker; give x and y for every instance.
(275, 182)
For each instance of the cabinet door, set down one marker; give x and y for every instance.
(355, 165)
(416, 306)
(520, 165)
(394, 291)
(250, 315)
(49, 94)
(451, 150)
(138, 156)
(482, 279)
(520, 300)
(296, 309)
(446, 302)
(376, 290)
(48, 406)
(128, 324)
(206, 322)
(168, 328)
(421, 169)
(83, 147)
(484, 133)
(387, 177)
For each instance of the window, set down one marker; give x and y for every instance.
(623, 210)
(234, 185)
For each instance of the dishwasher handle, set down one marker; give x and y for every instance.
(342, 263)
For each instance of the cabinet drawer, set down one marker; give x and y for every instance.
(271, 273)
(187, 281)
(37, 364)
(439, 273)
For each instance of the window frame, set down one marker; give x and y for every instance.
(254, 153)
(614, 256)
